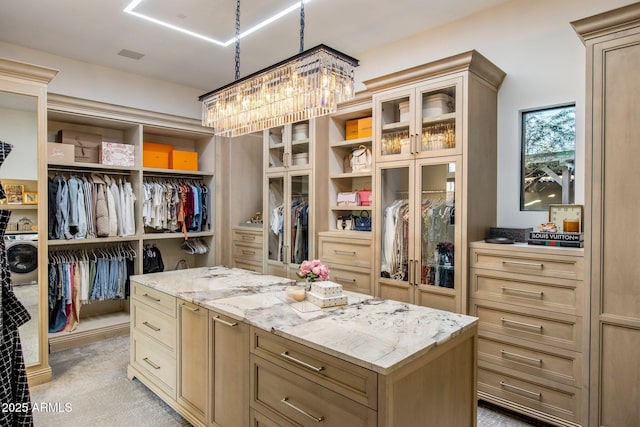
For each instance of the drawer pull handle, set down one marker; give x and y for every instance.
(344, 279)
(522, 291)
(339, 252)
(532, 393)
(527, 325)
(285, 400)
(150, 326)
(285, 354)
(537, 265)
(191, 308)
(151, 298)
(224, 322)
(153, 365)
(248, 237)
(519, 356)
(246, 252)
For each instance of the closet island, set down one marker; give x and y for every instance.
(225, 347)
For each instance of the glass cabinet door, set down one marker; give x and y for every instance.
(276, 215)
(275, 139)
(395, 226)
(288, 231)
(437, 117)
(395, 126)
(299, 214)
(436, 278)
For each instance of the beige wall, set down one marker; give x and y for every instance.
(532, 41)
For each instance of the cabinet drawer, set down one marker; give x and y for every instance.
(247, 265)
(534, 264)
(155, 324)
(553, 329)
(303, 402)
(247, 252)
(154, 298)
(554, 399)
(352, 381)
(560, 295)
(155, 362)
(343, 251)
(540, 361)
(351, 279)
(247, 236)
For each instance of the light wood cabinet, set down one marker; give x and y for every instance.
(435, 182)
(153, 340)
(247, 251)
(23, 100)
(349, 257)
(612, 230)
(295, 193)
(532, 331)
(132, 127)
(193, 359)
(229, 371)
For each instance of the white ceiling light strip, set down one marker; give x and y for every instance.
(131, 6)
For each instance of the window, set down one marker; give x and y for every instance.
(548, 157)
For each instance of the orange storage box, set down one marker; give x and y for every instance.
(183, 160)
(156, 155)
(358, 128)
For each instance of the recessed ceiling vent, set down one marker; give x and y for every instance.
(130, 54)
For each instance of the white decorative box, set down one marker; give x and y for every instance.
(324, 302)
(114, 154)
(326, 289)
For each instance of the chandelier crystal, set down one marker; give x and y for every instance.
(307, 85)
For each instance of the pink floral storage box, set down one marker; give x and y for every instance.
(115, 154)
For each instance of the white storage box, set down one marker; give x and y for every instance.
(435, 105)
(300, 131)
(326, 289)
(404, 111)
(324, 302)
(115, 154)
(300, 159)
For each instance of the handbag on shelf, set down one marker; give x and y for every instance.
(365, 197)
(350, 198)
(362, 222)
(359, 160)
(344, 223)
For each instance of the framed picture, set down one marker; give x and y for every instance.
(30, 198)
(14, 193)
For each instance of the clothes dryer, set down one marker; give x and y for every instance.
(22, 257)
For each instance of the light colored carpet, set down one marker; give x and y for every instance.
(92, 381)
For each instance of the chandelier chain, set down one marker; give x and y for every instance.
(301, 26)
(237, 39)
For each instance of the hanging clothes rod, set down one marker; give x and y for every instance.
(87, 172)
(173, 178)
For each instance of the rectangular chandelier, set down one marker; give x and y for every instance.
(307, 85)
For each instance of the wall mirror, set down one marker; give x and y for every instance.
(19, 176)
(548, 157)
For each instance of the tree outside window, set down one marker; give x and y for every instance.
(548, 157)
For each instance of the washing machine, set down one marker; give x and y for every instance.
(22, 257)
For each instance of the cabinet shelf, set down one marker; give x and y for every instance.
(161, 236)
(351, 175)
(349, 143)
(300, 141)
(22, 207)
(439, 118)
(396, 126)
(88, 167)
(351, 208)
(65, 242)
(173, 172)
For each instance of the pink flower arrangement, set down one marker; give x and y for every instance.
(313, 270)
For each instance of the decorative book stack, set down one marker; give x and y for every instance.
(572, 240)
(326, 294)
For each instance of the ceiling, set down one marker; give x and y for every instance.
(95, 31)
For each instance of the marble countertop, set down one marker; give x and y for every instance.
(381, 335)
